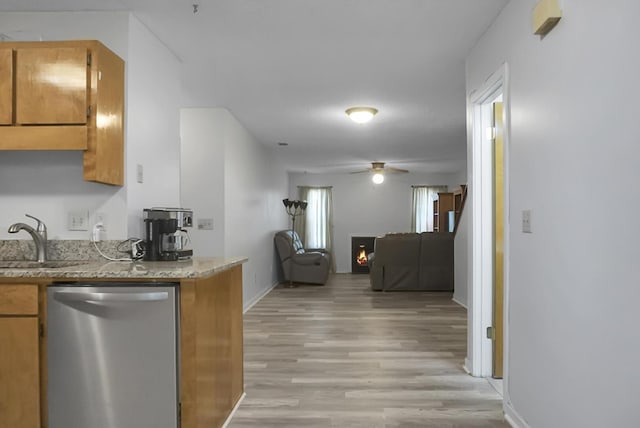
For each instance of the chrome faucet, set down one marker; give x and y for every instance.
(39, 235)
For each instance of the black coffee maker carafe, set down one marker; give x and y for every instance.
(165, 233)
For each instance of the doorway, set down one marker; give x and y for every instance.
(488, 324)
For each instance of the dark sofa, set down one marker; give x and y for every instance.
(413, 261)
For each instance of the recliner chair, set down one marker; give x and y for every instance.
(299, 265)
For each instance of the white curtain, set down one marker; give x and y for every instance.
(422, 207)
(316, 225)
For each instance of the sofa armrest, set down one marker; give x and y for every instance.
(308, 258)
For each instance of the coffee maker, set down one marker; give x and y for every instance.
(166, 238)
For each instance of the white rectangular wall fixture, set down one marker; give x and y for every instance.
(205, 224)
(78, 220)
(139, 173)
(526, 221)
(546, 15)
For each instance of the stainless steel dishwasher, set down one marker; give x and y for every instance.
(112, 355)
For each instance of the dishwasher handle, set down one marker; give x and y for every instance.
(79, 296)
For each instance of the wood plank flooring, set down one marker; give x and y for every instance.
(343, 356)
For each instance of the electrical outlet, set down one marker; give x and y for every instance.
(205, 224)
(101, 218)
(78, 220)
(97, 233)
(526, 221)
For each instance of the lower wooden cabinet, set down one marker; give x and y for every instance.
(19, 356)
(211, 348)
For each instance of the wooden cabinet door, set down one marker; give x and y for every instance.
(104, 158)
(19, 373)
(51, 86)
(6, 86)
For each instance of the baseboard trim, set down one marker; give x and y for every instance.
(512, 417)
(466, 366)
(259, 297)
(459, 302)
(233, 411)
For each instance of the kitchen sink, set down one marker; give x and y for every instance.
(32, 264)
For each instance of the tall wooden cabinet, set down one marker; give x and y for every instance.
(66, 95)
(441, 207)
(459, 197)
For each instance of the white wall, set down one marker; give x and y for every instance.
(573, 283)
(362, 208)
(202, 183)
(461, 249)
(240, 184)
(461, 257)
(49, 184)
(254, 184)
(153, 125)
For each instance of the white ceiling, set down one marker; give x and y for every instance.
(287, 69)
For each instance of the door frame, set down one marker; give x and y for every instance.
(479, 355)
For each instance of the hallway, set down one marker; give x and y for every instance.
(341, 356)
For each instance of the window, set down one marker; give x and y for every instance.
(317, 217)
(316, 225)
(422, 207)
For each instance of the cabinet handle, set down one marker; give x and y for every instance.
(74, 296)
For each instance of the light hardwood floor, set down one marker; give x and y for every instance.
(343, 356)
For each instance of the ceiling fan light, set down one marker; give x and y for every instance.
(361, 114)
(377, 178)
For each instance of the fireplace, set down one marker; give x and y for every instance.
(361, 247)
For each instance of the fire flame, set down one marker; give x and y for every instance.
(361, 259)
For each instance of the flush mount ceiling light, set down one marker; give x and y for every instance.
(361, 114)
(377, 178)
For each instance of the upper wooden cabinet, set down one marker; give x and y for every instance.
(66, 95)
(6, 86)
(52, 86)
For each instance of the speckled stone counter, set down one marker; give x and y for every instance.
(198, 267)
(59, 249)
(211, 327)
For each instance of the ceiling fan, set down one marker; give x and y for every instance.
(379, 168)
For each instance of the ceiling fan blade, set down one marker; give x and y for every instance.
(360, 172)
(396, 170)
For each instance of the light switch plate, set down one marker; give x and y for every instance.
(78, 220)
(526, 221)
(139, 173)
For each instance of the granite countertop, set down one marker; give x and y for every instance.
(198, 267)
